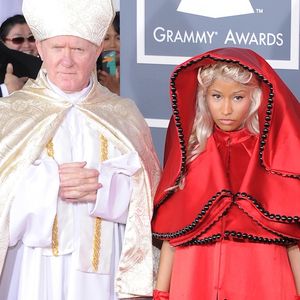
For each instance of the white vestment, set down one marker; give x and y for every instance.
(31, 271)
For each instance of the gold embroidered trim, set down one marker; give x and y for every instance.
(50, 152)
(96, 244)
(104, 148)
(50, 149)
(55, 237)
(97, 225)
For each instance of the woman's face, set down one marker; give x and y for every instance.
(21, 39)
(228, 103)
(112, 41)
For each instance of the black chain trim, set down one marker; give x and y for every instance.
(271, 216)
(190, 227)
(187, 229)
(236, 235)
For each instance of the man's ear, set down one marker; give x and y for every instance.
(39, 48)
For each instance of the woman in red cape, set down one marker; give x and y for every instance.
(228, 208)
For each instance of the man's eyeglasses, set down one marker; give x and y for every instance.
(20, 40)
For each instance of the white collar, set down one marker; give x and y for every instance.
(73, 98)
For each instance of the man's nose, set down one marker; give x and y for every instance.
(67, 58)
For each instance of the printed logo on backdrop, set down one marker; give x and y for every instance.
(171, 31)
(207, 8)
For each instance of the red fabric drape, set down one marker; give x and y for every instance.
(269, 190)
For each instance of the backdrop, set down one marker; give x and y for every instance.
(157, 35)
(9, 8)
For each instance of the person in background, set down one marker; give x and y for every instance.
(111, 43)
(78, 170)
(24, 65)
(16, 35)
(227, 206)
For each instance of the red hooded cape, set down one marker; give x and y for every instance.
(270, 189)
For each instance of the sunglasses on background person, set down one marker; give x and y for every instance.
(20, 39)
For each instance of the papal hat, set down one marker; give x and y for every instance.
(87, 19)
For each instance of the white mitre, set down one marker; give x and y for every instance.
(87, 19)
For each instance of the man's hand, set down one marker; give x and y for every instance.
(12, 82)
(77, 183)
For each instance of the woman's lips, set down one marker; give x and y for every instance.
(226, 121)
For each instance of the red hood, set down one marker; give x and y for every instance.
(279, 116)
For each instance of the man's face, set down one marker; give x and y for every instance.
(69, 61)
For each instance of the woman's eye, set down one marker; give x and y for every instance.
(216, 96)
(238, 98)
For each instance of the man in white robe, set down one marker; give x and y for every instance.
(77, 170)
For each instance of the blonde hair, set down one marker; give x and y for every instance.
(203, 122)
